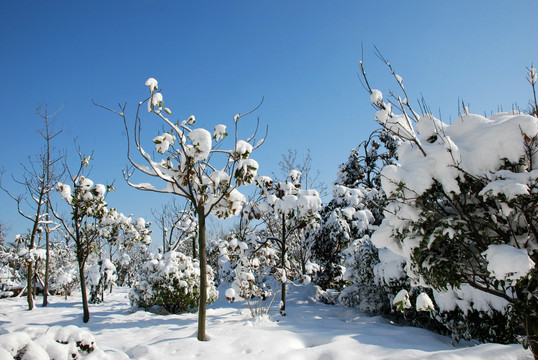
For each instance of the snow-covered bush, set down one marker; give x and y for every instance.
(464, 206)
(64, 343)
(341, 243)
(129, 262)
(99, 277)
(66, 280)
(171, 282)
(252, 267)
(364, 290)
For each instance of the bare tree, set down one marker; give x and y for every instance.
(309, 178)
(179, 227)
(38, 181)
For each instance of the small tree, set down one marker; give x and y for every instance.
(38, 180)
(288, 212)
(91, 221)
(187, 168)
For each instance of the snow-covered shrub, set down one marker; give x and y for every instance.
(12, 273)
(99, 277)
(254, 273)
(353, 214)
(171, 282)
(65, 343)
(364, 290)
(129, 262)
(464, 205)
(66, 280)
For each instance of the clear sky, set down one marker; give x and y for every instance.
(215, 58)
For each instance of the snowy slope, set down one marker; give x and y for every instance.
(309, 331)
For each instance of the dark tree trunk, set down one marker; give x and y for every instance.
(29, 284)
(283, 265)
(203, 275)
(85, 307)
(47, 266)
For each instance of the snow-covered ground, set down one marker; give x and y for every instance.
(310, 331)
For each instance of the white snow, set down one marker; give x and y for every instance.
(506, 262)
(152, 84)
(243, 149)
(376, 97)
(219, 132)
(401, 300)
(201, 144)
(424, 303)
(310, 331)
(467, 298)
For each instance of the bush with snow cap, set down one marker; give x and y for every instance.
(170, 282)
(253, 270)
(464, 200)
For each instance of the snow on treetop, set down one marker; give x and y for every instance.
(376, 97)
(473, 143)
(201, 144)
(220, 132)
(294, 175)
(65, 192)
(156, 102)
(510, 184)
(243, 149)
(152, 84)
(84, 183)
(506, 262)
(163, 142)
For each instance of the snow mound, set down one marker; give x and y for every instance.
(67, 343)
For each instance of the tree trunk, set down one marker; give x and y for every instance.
(283, 265)
(85, 307)
(47, 266)
(203, 275)
(29, 285)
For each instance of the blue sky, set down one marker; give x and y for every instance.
(214, 59)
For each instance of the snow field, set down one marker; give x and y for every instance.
(311, 330)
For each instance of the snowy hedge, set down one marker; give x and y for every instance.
(171, 282)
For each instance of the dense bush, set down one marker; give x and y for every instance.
(170, 282)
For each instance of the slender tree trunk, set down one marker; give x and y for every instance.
(47, 265)
(85, 307)
(203, 275)
(283, 265)
(164, 233)
(29, 284)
